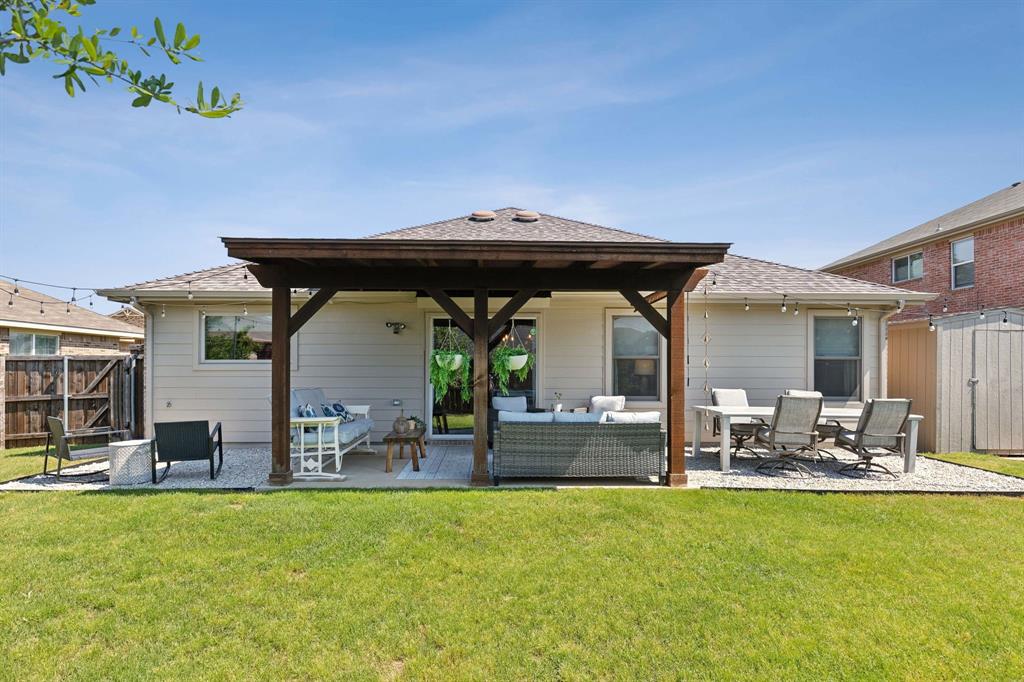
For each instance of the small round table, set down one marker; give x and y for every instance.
(130, 462)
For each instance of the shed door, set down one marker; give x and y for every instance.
(998, 382)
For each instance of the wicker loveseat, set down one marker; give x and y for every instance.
(576, 450)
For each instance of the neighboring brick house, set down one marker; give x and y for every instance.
(972, 257)
(61, 329)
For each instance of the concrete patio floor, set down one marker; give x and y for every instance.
(448, 465)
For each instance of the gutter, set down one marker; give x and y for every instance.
(42, 326)
(883, 354)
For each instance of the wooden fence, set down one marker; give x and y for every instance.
(83, 391)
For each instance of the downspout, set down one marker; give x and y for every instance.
(883, 351)
(147, 372)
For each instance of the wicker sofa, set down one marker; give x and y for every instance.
(576, 450)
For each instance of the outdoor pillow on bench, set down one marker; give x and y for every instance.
(632, 417)
(577, 417)
(533, 417)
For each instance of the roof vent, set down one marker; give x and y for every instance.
(527, 216)
(483, 216)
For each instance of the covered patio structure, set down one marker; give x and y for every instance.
(517, 268)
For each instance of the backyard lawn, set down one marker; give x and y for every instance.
(1000, 465)
(520, 584)
(18, 462)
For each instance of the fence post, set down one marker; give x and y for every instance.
(67, 394)
(3, 402)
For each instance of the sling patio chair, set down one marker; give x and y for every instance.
(186, 442)
(741, 429)
(826, 429)
(62, 451)
(791, 433)
(880, 428)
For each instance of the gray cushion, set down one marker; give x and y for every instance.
(576, 417)
(633, 417)
(348, 432)
(512, 403)
(533, 417)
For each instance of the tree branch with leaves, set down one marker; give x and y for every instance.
(37, 32)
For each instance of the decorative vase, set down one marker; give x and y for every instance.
(517, 362)
(411, 423)
(401, 424)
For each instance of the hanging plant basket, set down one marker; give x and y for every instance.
(450, 361)
(509, 360)
(450, 369)
(517, 362)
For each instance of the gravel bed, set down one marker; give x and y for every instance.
(244, 468)
(930, 476)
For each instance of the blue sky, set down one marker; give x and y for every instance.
(799, 131)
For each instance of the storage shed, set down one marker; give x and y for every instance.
(965, 373)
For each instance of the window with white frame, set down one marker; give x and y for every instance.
(25, 343)
(837, 357)
(961, 258)
(636, 359)
(236, 338)
(906, 268)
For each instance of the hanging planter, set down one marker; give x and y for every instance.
(449, 368)
(511, 358)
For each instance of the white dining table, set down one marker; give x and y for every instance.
(847, 415)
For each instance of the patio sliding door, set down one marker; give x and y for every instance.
(452, 412)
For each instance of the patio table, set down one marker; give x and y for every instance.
(726, 413)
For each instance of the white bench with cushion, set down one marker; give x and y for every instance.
(320, 435)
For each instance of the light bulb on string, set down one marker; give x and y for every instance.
(849, 310)
(931, 325)
(855, 321)
(73, 297)
(67, 310)
(945, 305)
(746, 305)
(245, 309)
(784, 308)
(163, 311)
(10, 302)
(981, 313)
(41, 308)
(796, 309)
(1006, 320)
(16, 291)
(190, 295)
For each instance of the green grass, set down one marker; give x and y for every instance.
(530, 584)
(1000, 465)
(18, 462)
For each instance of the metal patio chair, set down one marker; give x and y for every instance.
(62, 451)
(187, 442)
(880, 428)
(741, 429)
(791, 433)
(826, 429)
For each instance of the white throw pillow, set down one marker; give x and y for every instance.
(607, 403)
(532, 417)
(514, 403)
(633, 417)
(577, 417)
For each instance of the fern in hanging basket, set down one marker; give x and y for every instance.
(448, 369)
(508, 360)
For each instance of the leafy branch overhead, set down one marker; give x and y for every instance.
(37, 33)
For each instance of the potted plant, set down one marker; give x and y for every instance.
(510, 359)
(450, 365)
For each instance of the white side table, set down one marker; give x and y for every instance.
(130, 462)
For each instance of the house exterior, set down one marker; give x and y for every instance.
(959, 356)
(32, 323)
(970, 257)
(588, 342)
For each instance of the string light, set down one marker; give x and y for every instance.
(849, 310)
(746, 306)
(796, 309)
(73, 292)
(10, 303)
(855, 321)
(900, 304)
(931, 325)
(1006, 320)
(202, 311)
(945, 305)
(190, 294)
(16, 292)
(163, 311)
(783, 303)
(41, 308)
(245, 309)
(981, 313)
(67, 310)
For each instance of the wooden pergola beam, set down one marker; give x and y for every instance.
(309, 309)
(458, 315)
(480, 475)
(513, 306)
(641, 305)
(280, 386)
(675, 472)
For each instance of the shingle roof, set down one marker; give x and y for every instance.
(1004, 202)
(742, 276)
(735, 276)
(25, 308)
(504, 227)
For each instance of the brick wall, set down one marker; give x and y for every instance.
(998, 272)
(71, 344)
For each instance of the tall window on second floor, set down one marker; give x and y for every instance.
(906, 268)
(961, 254)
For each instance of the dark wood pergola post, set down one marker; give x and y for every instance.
(676, 472)
(280, 386)
(480, 388)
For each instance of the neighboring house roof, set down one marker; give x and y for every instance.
(131, 316)
(735, 277)
(997, 206)
(23, 311)
(505, 226)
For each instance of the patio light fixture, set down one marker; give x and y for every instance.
(395, 327)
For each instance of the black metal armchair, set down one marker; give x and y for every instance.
(187, 442)
(62, 451)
